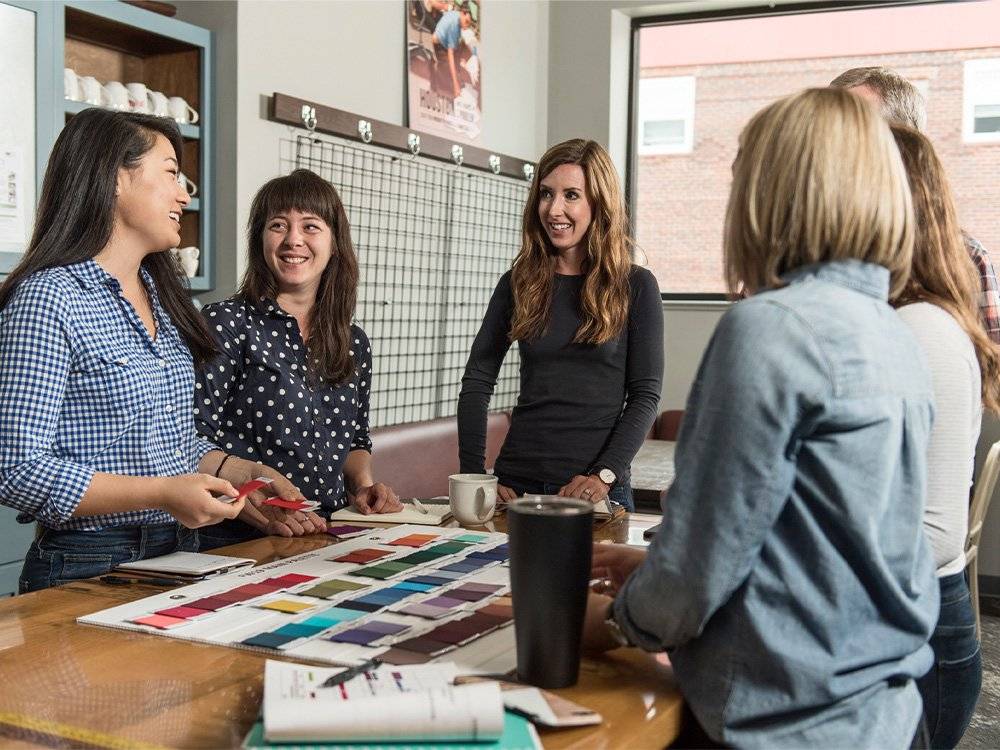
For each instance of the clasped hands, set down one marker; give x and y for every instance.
(582, 486)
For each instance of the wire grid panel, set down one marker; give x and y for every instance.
(432, 242)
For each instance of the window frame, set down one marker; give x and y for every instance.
(969, 103)
(638, 23)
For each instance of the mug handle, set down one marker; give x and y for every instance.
(105, 97)
(488, 496)
(191, 187)
(194, 116)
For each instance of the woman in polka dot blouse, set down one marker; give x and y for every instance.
(291, 387)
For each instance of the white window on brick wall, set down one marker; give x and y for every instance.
(981, 101)
(666, 115)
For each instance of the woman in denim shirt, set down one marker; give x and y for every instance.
(790, 581)
(940, 305)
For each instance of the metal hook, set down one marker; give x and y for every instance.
(529, 171)
(495, 164)
(365, 130)
(413, 142)
(309, 117)
(457, 154)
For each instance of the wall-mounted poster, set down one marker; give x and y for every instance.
(444, 68)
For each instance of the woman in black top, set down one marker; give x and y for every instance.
(589, 327)
(291, 387)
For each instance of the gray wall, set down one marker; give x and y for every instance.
(349, 55)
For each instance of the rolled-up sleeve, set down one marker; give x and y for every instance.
(35, 349)
(762, 374)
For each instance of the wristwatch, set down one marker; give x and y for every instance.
(614, 629)
(607, 476)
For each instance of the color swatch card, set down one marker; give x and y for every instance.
(406, 592)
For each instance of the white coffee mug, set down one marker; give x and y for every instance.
(71, 85)
(92, 91)
(117, 95)
(472, 497)
(158, 104)
(181, 111)
(188, 258)
(138, 97)
(187, 184)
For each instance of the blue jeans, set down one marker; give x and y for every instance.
(950, 690)
(58, 557)
(620, 493)
(224, 533)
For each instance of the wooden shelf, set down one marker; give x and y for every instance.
(118, 36)
(190, 132)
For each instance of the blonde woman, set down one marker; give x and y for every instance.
(589, 329)
(790, 578)
(939, 304)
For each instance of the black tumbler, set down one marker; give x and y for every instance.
(550, 549)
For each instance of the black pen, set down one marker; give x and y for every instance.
(349, 674)
(121, 581)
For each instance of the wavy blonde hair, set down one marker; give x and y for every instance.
(817, 179)
(943, 273)
(604, 300)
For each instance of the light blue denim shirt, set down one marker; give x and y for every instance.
(791, 577)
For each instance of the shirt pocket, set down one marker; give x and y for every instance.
(109, 391)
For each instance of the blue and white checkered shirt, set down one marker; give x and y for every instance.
(85, 389)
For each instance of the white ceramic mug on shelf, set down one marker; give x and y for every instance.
(158, 104)
(181, 111)
(188, 258)
(118, 97)
(186, 183)
(138, 97)
(472, 498)
(91, 91)
(71, 85)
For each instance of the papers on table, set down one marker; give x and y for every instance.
(424, 705)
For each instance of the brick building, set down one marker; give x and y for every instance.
(681, 196)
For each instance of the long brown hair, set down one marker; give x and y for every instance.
(817, 179)
(329, 343)
(943, 273)
(76, 212)
(604, 300)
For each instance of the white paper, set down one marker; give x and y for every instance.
(425, 705)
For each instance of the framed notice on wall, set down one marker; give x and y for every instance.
(444, 68)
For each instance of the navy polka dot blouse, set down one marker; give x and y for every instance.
(254, 400)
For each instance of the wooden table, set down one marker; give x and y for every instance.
(652, 473)
(106, 688)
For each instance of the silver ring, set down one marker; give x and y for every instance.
(588, 491)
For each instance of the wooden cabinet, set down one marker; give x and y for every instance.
(114, 41)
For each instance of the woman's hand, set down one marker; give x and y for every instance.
(267, 518)
(191, 499)
(613, 563)
(275, 521)
(596, 636)
(587, 487)
(505, 493)
(376, 498)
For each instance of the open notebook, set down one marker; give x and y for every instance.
(437, 513)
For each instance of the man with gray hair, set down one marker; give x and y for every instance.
(900, 102)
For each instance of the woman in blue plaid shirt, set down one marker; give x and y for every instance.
(98, 341)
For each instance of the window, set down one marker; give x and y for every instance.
(981, 101)
(740, 61)
(666, 115)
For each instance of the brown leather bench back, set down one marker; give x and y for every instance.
(415, 459)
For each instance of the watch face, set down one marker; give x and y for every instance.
(607, 476)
